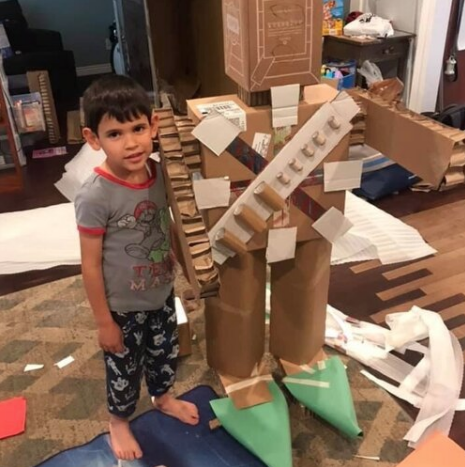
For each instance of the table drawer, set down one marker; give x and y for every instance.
(387, 51)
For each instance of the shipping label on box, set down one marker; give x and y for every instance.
(272, 42)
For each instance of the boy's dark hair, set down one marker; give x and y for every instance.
(117, 96)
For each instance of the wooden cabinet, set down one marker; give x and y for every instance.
(390, 54)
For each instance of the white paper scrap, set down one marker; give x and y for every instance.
(212, 193)
(65, 362)
(281, 244)
(339, 176)
(181, 315)
(368, 458)
(332, 225)
(216, 132)
(261, 143)
(285, 102)
(32, 367)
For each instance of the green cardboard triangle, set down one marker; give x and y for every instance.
(327, 393)
(263, 429)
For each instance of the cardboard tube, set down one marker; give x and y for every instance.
(296, 165)
(334, 123)
(283, 178)
(307, 151)
(319, 138)
(235, 319)
(270, 197)
(299, 294)
(229, 240)
(250, 218)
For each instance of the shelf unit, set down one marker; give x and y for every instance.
(11, 175)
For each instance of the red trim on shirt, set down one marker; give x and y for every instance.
(134, 186)
(91, 230)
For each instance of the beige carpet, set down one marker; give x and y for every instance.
(67, 407)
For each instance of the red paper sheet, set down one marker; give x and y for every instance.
(12, 417)
(437, 451)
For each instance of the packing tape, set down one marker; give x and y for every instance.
(307, 382)
(247, 383)
(307, 369)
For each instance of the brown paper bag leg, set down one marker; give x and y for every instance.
(299, 294)
(235, 320)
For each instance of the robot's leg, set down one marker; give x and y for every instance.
(235, 320)
(299, 295)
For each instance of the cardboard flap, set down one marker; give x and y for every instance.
(424, 149)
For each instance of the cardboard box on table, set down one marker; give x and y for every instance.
(272, 43)
(235, 321)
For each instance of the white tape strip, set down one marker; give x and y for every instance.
(307, 369)
(433, 385)
(307, 382)
(247, 383)
(417, 376)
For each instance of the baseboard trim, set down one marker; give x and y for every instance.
(99, 69)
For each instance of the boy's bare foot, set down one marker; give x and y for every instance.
(186, 412)
(123, 443)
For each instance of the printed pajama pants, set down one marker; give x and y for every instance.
(151, 347)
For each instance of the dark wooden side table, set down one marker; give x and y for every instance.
(390, 54)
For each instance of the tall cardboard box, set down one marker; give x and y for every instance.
(272, 42)
(299, 289)
(258, 120)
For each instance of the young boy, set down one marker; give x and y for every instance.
(127, 263)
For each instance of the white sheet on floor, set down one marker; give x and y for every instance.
(393, 240)
(78, 170)
(38, 239)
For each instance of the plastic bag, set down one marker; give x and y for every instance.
(369, 25)
(370, 72)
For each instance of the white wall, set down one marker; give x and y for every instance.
(429, 59)
(429, 20)
(402, 13)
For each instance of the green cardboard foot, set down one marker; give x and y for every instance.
(264, 429)
(326, 392)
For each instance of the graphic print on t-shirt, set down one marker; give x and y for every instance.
(154, 244)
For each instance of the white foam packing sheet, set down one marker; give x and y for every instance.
(394, 241)
(433, 385)
(38, 239)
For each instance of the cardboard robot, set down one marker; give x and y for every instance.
(279, 148)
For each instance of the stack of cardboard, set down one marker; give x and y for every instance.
(194, 242)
